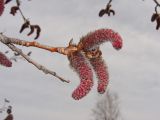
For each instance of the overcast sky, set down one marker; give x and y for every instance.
(134, 70)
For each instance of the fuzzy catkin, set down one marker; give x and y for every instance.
(80, 65)
(101, 71)
(1, 7)
(4, 60)
(94, 39)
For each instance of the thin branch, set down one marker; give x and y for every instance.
(22, 14)
(62, 50)
(157, 2)
(109, 1)
(156, 9)
(5, 40)
(40, 67)
(18, 4)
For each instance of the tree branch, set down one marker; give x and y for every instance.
(158, 4)
(109, 1)
(18, 4)
(5, 40)
(62, 50)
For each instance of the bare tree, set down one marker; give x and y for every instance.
(107, 108)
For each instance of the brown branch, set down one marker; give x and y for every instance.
(5, 40)
(62, 50)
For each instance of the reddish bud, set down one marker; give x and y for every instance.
(158, 23)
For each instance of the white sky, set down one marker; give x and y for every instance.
(134, 73)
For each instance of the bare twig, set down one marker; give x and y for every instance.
(157, 2)
(156, 9)
(109, 1)
(62, 50)
(22, 15)
(5, 40)
(18, 4)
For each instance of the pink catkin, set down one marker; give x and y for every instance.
(4, 60)
(1, 7)
(80, 65)
(100, 36)
(101, 71)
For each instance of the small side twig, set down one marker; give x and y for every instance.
(22, 15)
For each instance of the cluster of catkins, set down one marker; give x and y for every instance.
(83, 64)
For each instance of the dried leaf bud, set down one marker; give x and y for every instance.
(112, 11)
(31, 30)
(14, 10)
(102, 12)
(24, 26)
(154, 17)
(37, 27)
